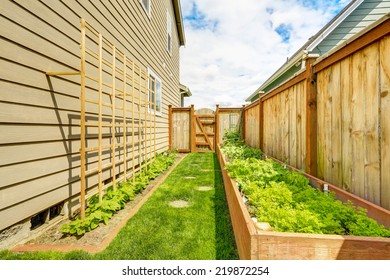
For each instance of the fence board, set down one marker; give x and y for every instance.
(266, 129)
(371, 141)
(286, 127)
(293, 125)
(320, 123)
(358, 100)
(228, 120)
(181, 126)
(252, 126)
(303, 124)
(335, 146)
(270, 120)
(327, 125)
(385, 121)
(278, 142)
(283, 127)
(346, 123)
(299, 126)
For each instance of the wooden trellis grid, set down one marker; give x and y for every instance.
(115, 91)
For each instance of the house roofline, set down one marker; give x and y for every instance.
(294, 59)
(309, 45)
(328, 28)
(185, 90)
(179, 21)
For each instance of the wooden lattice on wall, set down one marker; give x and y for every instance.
(114, 112)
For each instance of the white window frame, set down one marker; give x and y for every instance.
(158, 93)
(169, 33)
(146, 9)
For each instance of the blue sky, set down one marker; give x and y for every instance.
(233, 46)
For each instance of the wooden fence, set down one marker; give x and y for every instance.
(332, 119)
(200, 130)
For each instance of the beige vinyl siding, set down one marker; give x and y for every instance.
(40, 116)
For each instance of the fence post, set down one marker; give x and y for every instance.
(311, 116)
(261, 125)
(243, 123)
(192, 130)
(216, 127)
(169, 127)
(261, 122)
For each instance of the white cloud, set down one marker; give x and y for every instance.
(232, 46)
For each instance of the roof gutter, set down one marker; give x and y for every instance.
(179, 21)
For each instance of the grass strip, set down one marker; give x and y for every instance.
(200, 231)
(161, 232)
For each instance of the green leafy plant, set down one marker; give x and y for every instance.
(115, 200)
(285, 199)
(234, 148)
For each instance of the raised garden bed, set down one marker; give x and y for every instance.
(257, 244)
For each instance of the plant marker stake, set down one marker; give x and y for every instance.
(326, 188)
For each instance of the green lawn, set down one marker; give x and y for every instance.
(161, 232)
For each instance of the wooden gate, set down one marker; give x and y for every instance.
(200, 130)
(204, 127)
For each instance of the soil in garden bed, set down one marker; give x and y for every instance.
(94, 238)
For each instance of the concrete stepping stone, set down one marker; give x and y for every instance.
(204, 188)
(179, 204)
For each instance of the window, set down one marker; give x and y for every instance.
(169, 33)
(154, 93)
(146, 6)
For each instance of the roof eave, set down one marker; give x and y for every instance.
(185, 91)
(179, 21)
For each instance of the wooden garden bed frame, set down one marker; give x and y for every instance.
(255, 245)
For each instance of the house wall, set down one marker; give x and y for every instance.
(367, 13)
(40, 115)
(284, 77)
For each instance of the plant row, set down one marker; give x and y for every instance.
(115, 199)
(285, 199)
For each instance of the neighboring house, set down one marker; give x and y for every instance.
(184, 92)
(40, 115)
(356, 16)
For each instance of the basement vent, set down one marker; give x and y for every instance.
(39, 219)
(46, 215)
(55, 211)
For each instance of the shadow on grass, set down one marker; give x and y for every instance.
(225, 244)
(158, 231)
